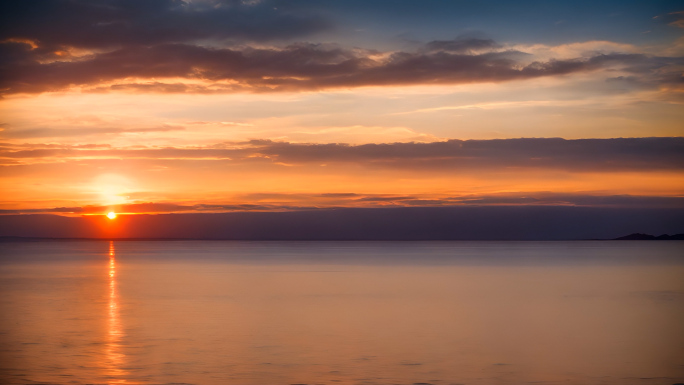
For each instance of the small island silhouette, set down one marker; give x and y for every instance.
(649, 237)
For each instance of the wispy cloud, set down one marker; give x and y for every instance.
(675, 19)
(83, 131)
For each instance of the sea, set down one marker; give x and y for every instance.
(366, 313)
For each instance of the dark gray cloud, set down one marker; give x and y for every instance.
(592, 155)
(115, 23)
(292, 68)
(578, 154)
(157, 39)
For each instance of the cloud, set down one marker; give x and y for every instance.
(330, 200)
(298, 202)
(461, 45)
(577, 199)
(573, 50)
(553, 153)
(360, 134)
(675, 19)
(83, 131)
(224, 46)
(583, 155)
(98, 24)
(185, 68)
(529, 198)
(151, 207)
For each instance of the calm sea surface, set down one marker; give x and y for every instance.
(272, 313)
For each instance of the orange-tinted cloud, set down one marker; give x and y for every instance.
(587, 155)
(298, 202)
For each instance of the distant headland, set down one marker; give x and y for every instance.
(649, 237)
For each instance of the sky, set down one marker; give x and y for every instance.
(206, 106)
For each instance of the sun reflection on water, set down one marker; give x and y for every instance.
(113, 347)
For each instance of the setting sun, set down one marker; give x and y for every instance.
(111, 215)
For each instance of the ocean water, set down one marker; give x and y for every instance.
(262, 313)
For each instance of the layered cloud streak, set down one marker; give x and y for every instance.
(589, 155)
(184, 68)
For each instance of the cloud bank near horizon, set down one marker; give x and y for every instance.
(275, 202)
(263, 175)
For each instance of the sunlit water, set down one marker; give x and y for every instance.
(342, 312)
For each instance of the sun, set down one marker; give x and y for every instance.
(111, 215)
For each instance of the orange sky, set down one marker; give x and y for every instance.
(175, 122)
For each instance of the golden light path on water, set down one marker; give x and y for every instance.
(113, 347)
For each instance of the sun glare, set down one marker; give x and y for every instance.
(112, 188)
(111, 215)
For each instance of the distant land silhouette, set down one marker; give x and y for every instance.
(649, 237)
(386, 224)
